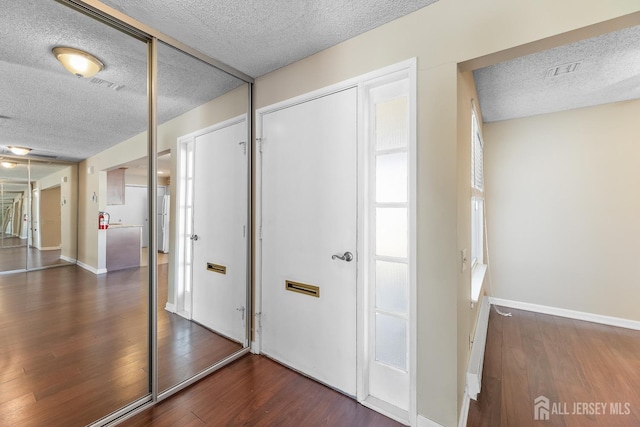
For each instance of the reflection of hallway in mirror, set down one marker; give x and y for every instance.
(9, 241)
(15, 258)
(184, 347)
(75, 345)
(144, 257)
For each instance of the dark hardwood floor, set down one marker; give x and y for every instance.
(74, 346)
(256, 391)
(15, 258)
(589, 372)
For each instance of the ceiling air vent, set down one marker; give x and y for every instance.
(105, 83)
(561, 70)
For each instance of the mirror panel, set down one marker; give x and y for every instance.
(14, 199)
(53, 214)
(81, 333)
(202, 116)
(76, 340)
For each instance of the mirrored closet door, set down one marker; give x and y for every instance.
(14, 196)
(153, 226)
(202, 217)
(75, 340)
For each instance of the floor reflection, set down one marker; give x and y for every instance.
(75, 345)
(15, 258)
(184, 347)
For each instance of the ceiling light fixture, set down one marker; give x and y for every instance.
(20, 151)
(78, 62)
(8, 165)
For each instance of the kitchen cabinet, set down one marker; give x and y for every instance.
(115, 187)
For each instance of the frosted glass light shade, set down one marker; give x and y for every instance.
(78, 62)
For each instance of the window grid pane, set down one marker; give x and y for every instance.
(392, 287)
(391, 341)
(391, 124)
(391, 178)
(391, 232)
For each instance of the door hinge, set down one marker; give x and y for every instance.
(260, 233)
(260, 142)
(242, 310)
(243, 144)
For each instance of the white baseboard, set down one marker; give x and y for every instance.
(473, 374)
(464, 410)
(50, 248)
(171, 308)
(386, 409)
(91, 269)
(68, 259)
(476, 356)
(571, 314)
(426, 422)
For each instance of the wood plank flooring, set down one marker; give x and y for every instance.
(15, 258)
(256, 391)
(74, 346)
(589, 372)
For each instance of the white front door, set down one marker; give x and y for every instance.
(308, 215)
(219, 231)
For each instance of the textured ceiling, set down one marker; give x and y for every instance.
(259, 36)
(608, 71)
(69, 118)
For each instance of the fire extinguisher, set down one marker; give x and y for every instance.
(103, 221)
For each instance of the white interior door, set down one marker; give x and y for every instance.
(219, 222)
(309, 214)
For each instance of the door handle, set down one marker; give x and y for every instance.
(194, 237)
(347, 256)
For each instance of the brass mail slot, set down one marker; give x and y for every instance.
(302, 288)
(216, 268)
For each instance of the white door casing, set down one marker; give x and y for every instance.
(309, 214)
(220, 224)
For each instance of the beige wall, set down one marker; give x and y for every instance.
(563, 209)
(50, 218)
(67, 179)
(440, 36)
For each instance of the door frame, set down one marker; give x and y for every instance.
(360, 82)
(181, 300)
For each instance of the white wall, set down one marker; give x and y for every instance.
(563, 209)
